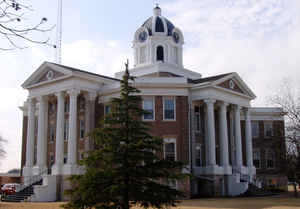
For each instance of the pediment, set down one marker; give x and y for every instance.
(234, 83)
(47, 72)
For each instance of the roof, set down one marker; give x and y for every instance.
(158, 22)
(83, 71)
(209, 79)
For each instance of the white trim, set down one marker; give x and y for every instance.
(252, 125)
(174, 99)
(153, 102)
(265, 130)
(170, 140)
(259, 151)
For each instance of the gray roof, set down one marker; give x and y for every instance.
(209, 79)
(148, 24)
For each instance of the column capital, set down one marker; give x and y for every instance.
(42, 98)
(209, 101)
(237, 107)
(223, 104)
(91, 96)
(73, 92)
(59, 94)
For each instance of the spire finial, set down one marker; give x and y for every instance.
(157, 10)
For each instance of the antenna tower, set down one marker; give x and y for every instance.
(59, 33)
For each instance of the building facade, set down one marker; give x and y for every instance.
(206, 122)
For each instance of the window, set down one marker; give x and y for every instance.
(65, 158)
(270, 158)
(256, 158)
(170, 149)
(268, 128)
(51, 158)
(197, 119)
(81, 104)
(66, 130)
(149, 105)
(67, 106)
(255, 129)
(160, 53)
(198, 160)
(82, 128)
(172, 183)
(107, 109)
(51, 133)
(169, 108)
(51, 108)
(81, 155)
(159, 26)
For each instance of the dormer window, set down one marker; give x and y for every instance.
(159, 26)
(160, 53)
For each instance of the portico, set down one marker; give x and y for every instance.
(217, 133)
(62, 89)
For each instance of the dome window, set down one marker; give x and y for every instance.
(160, 53)
(159, 26)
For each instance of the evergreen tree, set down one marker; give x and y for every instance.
(124, 169)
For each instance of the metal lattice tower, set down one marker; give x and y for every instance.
(58, 58)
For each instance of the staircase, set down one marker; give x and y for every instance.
(26, 190)
(21, 195)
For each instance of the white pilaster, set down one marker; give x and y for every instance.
(223, 135)
(249, 153)
(89, 117)
(27, 171)
(211, 140)
(238, 137)
(41, 164)
(59, 145)
(71, 166)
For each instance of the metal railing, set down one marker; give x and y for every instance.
(29, 181)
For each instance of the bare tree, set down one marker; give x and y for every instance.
(14, 25)
(288, 98)
(2, 149)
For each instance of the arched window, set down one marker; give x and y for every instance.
(160, 53)
(159, 26)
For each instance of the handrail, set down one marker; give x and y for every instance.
(32, 180)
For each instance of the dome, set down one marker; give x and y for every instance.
(158, 23)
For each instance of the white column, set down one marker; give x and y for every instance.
(27, 171)
(71, 167)
(238, 137)
(59, 144)
(41, 137)
(89, 117)
(248, 134)
(223, 134)
(211, 132)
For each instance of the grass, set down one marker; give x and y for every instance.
(285, 201)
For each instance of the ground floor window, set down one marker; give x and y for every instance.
(256, 158)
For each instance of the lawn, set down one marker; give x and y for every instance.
(284, 201)
(274, 202)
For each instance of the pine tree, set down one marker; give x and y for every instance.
(124, 169)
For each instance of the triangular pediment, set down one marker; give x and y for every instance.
(233, 82)
(47, 72)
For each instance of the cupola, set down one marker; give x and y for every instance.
(158, 41)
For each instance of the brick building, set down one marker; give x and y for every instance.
(205, 122)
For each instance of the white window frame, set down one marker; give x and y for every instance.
(174, 99)
(51, 130)
(197, 151)
(153, 102)
(267, 152)
(265, 128)
(81, 124)
(253, 133)
(197, 123)
(259, 155)
(51, 155)
(104, 109)
(66, 130)
(170, 140)
(65, 157)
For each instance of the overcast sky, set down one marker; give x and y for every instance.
(258, 39)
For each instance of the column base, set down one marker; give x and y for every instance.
(57, 169)
(27, 171)
(213, 169)
(40, 170)
(240, 169)
(227, 169)
(70, 169)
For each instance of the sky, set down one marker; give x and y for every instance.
(260, 40)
